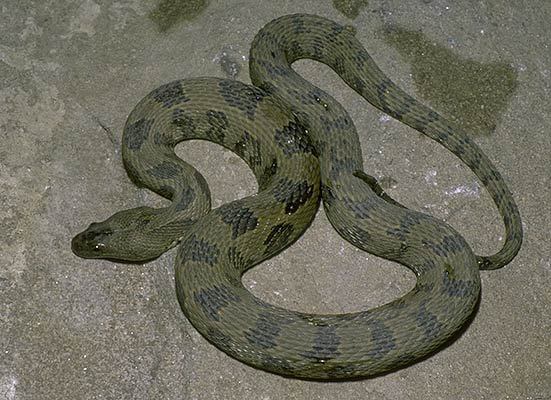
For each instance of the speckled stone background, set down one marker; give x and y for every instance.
(71, 71)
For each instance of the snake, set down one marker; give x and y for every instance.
(303, 149)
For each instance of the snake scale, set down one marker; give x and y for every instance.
(302, 147)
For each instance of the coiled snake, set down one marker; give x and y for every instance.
(301, 145)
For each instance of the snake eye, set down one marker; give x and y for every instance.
(99, 247)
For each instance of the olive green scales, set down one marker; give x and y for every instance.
(302, 147)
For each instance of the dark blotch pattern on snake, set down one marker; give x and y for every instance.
(297, 139)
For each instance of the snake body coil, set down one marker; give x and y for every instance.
(301, 145)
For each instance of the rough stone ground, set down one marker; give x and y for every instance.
(71, 71)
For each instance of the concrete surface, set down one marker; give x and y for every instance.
(71, 71)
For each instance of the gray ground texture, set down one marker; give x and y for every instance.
(71, 71)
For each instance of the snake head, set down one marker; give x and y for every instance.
(127, 236)
(93, 242)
